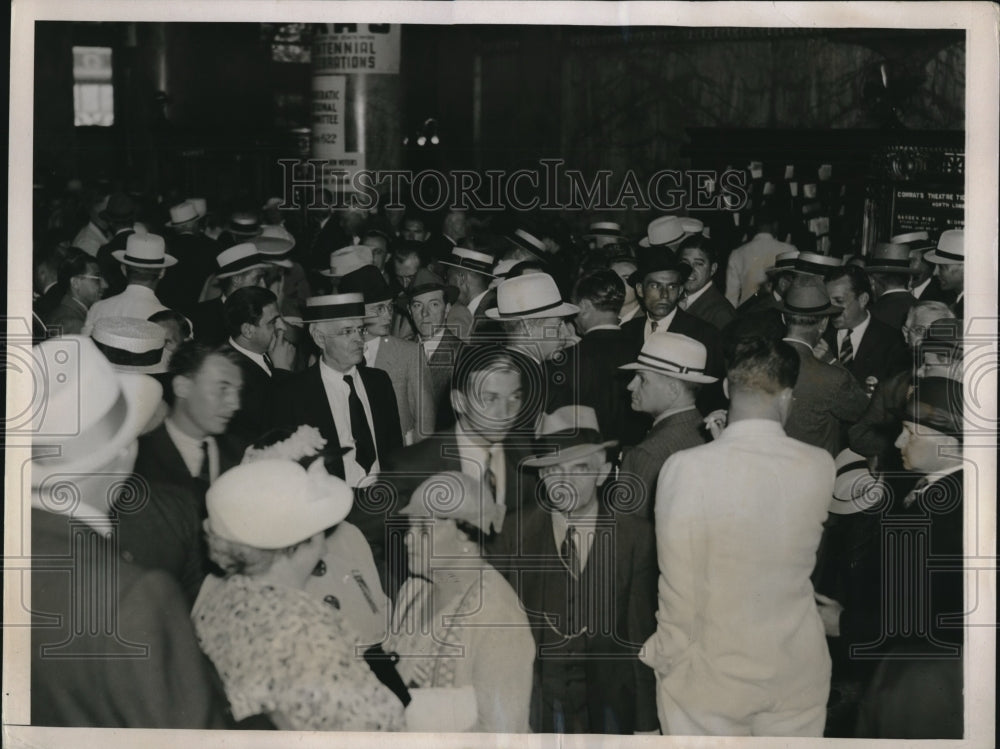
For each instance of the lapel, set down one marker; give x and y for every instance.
(316, 405)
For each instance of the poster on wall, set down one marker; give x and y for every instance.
(356, 48)
(330, 135)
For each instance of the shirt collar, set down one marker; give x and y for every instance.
(329, 372)
(751, 426)
(858, 331)
(918, 290)
(604, 326)
(561, 522)
(179, 436)
(938, 475)
(797, 340)
(257, 359)
(692, 297)
(895, 291)
(473, 304)
(663, 324)
(671, 412)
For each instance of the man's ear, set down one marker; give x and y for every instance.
(317, 336)
(458, 402)
(246, 329)
(181, 385)
(725, 386)
(823, 322)
(712, 271)
(864, 298)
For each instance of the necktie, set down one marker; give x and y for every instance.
(846, 349)
(653, 325)
(570, 552)
(490, 475)
(205, 474)
(364, 445)
(917, 490)
(269, 363)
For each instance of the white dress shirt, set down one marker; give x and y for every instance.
(475, 457)
(691, 298)
(256, 358)
(191, 450)
(136, 301)
(337, 393)
(584, 524)
(431, 344)
(473, 304)
(661, 325)
(918, 290)
(856, 335)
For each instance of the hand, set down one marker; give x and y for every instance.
(715, 422)
(282, 352)
(829, 612)
(822, 350)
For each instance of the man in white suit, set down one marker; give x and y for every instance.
(740, 648)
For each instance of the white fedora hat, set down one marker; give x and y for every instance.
(274, 241)
(531, 296)
(692, 225)
(349, 259)
(663, 232)
(200, 205)
(528, 241)
(568, 433)
(239, 258)
(131, 345)
(950, 248)
(673, 355)
(91, 411)
(183, 213)
(274, 504)
(143, 250)
(855, 488)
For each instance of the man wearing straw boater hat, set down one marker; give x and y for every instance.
(826, 398)
(351, 404)
(196, 254)
(771, 293)
(471, 272)
(924, 285)
(603, 233)
(144, 262)
(948, 260)
(585, 571)
(739, 648)
(889, 268)
(239, 266)
(112, 673)
(668, 372)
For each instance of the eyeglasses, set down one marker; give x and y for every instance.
(919, 330)
(380, 309)
(659, 288)
(349, 332)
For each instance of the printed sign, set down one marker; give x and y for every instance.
(356, 48)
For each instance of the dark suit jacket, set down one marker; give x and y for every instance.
(148, 673)
(69, 316)
(617, 590)
(893, 308)
(881, 354)
(111, 269)
(441, 366)
(826, 399)
(713, 307)
(643, 462)
(254, 417)
(602, 384)
(301, 399)
(49, 300)
(181, 285)
(209, 321)
(934, 293)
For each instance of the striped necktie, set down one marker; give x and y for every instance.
(847, 349)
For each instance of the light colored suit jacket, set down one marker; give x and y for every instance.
(738, 522)
(406, 365)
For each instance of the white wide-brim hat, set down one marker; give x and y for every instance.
(348, 259)
(527, 297)
(673, 355)
(238, 259)
(144, 250)
(183, 213)
(855, 488)
(274, 504)
(91, 412)
(950, 249)
(274, 241)
(131, 345)
(663, 232)
(566, 435)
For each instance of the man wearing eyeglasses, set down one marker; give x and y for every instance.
(84, 284)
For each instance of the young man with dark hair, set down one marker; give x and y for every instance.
(740, 648)
(701, 298)
(81, 277)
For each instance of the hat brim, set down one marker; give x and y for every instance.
(450, 293)
(830, 309)
(273, 245)
(175, 224)
(906, 271)
(466, 267)
(227, 274)
(563, 310)
(564, 455)
(933, 257)
(686, 376)
(168, 260)
(142, 397)
(644, 242)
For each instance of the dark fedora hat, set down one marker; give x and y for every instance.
(121, 208)
(656, 260)
(367, 281)
(808, 299)
(425, 282)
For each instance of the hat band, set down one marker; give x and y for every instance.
(667, 364)
(810, 267)
(531, 311)
(856, 465)
(126, 258)
(82, 444)
(603, 233)
(321, 312)
(807, 310)
(249, 229)
(123, 358)
(790, 263)
(477, 265)
(244, 263)
(950, 255)
(890, 263)
(529, 246)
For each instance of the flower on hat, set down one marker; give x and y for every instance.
(304, 443)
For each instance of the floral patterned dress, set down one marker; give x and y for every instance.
(280, 650)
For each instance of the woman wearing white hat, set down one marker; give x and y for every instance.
(280, 649)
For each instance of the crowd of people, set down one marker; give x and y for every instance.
(385, 471)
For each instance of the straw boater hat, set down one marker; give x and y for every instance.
(478, 262)
(916, 241)
(145, 251)
(784, 262)
(334, 307)
(274, 504)
(950, 249)
(809, 300)
(348, 259)
(501, 271)
(528, 241)
(183, 213)
(666, 231)
(532, 296)
(673, 355)
(88, 431)
(814, 264)
(890, 257)
(239, 258)
(243, 224)
(604, 229)
(569, 433)
(855, 488)
(131, 345)
(453, 495)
